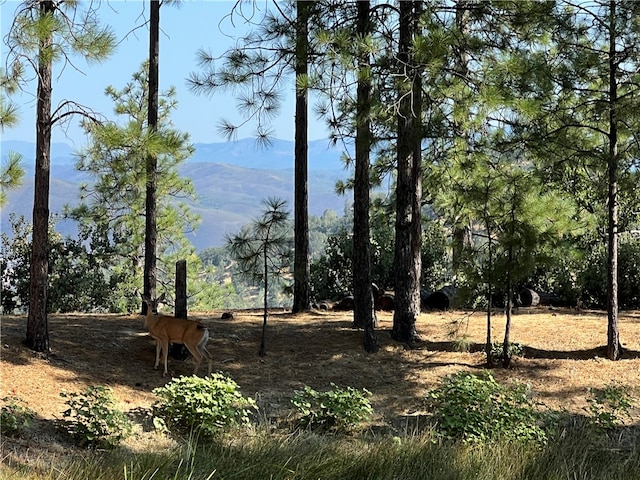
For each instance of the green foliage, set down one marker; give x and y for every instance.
(113, 203)
(14, 415)
(607, 405)
(263, 253)
(338, 409)
(206, 406)
(11, 171)
(497, 349)
(434, 255)
(476, 408)
(331, 273)
(592, 275)
(80, 279)
(262, 250)
(93, 418)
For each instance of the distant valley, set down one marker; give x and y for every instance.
(231, 180)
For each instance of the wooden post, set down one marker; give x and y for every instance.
(177, 350)
(181, 289)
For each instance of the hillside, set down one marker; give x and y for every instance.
(231, 181)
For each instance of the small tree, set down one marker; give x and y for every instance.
(263, 251)
(114, 202)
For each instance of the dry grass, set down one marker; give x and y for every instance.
(564, 356)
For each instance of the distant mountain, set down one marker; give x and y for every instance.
(279, 155)
(231, 180)
(245, 153)
(61, 153)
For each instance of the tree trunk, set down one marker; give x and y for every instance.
(408, 184)
(613, 334)
(301, 269)
(461, 228)
(151, 227)
(506, 351)
(37, 321)
(488, 341)
(364, 315)
(265, 314)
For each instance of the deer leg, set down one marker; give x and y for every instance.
(197, 356)
(165, 352)
(205, 353)
(158, 350)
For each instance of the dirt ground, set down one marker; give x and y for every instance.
(564, 356)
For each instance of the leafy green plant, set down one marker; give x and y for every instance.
(93, 418)
(339, 409)
(607, 405)
(515, 350)
(476, 408)
(206, 406)
(14, 415)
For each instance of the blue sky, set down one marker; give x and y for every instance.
(185, 29)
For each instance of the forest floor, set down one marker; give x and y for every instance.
(564, 355)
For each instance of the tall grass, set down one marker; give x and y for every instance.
(575, 455)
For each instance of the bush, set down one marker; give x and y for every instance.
(607, 405)
(515, 350)
(338, 409)
(593, 277)
(14, 416)
(476, 408)
(93, 419)
(206, 406)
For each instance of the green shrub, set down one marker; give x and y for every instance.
(476, 408)
(14, 415)
(339, 409)
(515, 350)
(93, 419)
(607, 405)
(203, 405)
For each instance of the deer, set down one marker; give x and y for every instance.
(166, 329)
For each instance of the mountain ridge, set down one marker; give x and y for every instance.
(230, 194)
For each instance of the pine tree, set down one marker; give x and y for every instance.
(584, 129)
(151, 193)
(407, 258)
(364, 314)
(43, 33)
(255, 70)
(263, 253)
(114, 205)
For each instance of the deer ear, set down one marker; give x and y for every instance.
(160, 298)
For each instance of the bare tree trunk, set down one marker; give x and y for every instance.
(613, 334)
(37, 321)
(488, 341)
(506, 350)
(265, 314)
(364, 315)
(301, 269)
(408, 185)
(151, 213)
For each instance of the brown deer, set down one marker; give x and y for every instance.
(166, 329)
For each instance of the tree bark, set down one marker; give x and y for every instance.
(408, 184)
(151, 227)
(301, 268)
(364, 315)
(37, 321)
(613, 334)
